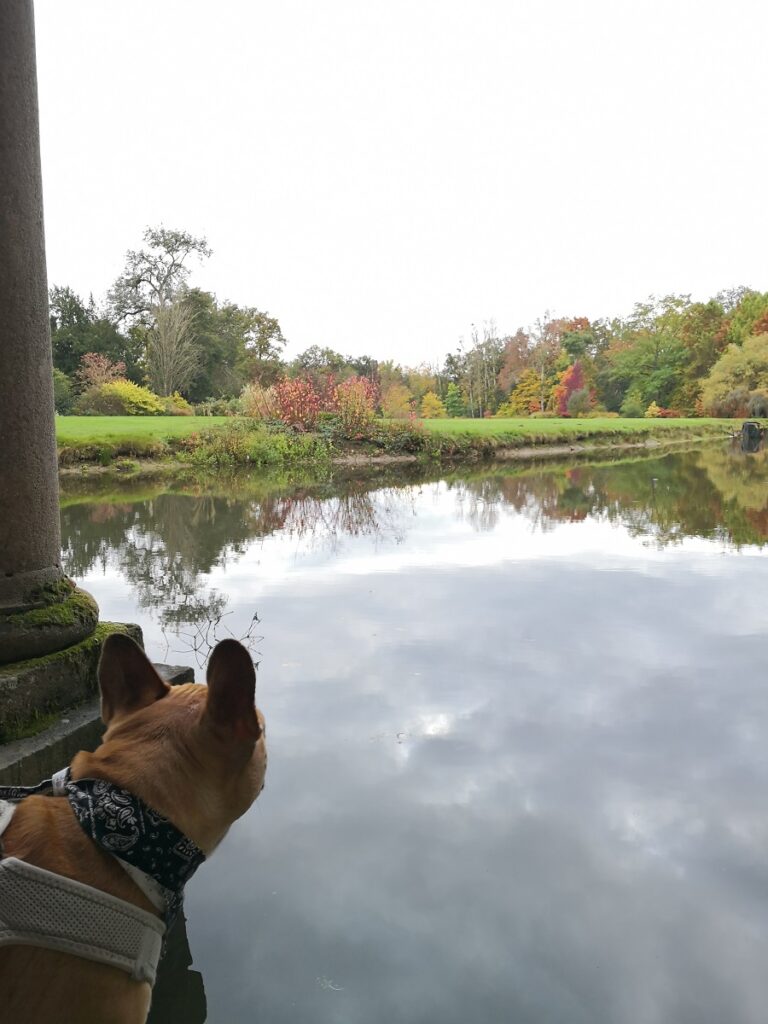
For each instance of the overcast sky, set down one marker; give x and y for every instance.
(381, 175)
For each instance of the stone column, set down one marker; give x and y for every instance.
(30, 536)
(37, 613)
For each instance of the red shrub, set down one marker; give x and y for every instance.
(97, 369)
(297, 402)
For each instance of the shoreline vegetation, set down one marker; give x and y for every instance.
(133, 445)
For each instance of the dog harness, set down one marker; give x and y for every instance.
(41, 908)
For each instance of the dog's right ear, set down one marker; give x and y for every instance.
(127, 678)
(231, 681)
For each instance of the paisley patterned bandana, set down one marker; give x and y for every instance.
(123, 825)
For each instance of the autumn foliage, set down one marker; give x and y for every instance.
(571, 380)
(97, 369)
(355, 401)
(298, 403)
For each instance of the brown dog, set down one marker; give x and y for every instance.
(195, 754)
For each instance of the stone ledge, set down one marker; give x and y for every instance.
(175, 674)
(23, 762)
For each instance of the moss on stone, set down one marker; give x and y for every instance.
(35, 691)
(52, 593)
(24, 730)
(94, 641)
(53, 627)
(73, 608)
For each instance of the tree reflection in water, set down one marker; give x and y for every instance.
(165, 545)
(714, 492)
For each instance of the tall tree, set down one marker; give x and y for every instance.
(363, 366)
(454, 368)
(483, 363)
(154, 276)
(577, 338)
(545, 350)
(515, 355)
(741, 369)
(262, 341)
(319, 364)
(454, 403)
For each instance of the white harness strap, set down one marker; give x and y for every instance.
(6, 813)
(40, 908)
(151, 889)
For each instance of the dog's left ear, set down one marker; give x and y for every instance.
(127, 678)
(231, 680)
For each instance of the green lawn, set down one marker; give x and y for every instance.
(104, 439)
(553, 428)
(97, 429)
(81, 430)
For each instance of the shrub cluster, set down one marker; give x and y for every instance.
(177, 405)
(63, 397)
(245, 442)
(219, 407)
(298, 403)
(258, 402)
(119, 398)
(104, 391)
(655, 411)
(739, 402)
(355, 400)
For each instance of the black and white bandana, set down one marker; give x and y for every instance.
(123, 825)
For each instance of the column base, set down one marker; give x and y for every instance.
(64, 615)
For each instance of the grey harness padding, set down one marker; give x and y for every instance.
(41, 908)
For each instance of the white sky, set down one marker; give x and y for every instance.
(380, 175)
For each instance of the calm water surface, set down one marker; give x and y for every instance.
(518, 738)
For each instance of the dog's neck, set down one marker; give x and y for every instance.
(190, 805)
(176, 761)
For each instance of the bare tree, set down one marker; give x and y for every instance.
(172, 356)
(482, 365)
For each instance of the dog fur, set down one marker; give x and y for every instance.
(196, 754)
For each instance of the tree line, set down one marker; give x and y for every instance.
(669, 356)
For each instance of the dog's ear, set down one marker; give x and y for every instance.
(231, 681)
(127, 678)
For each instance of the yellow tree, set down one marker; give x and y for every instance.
(526, 397)
(431, 407)
(397, 402)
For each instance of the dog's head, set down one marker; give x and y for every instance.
(195, 753)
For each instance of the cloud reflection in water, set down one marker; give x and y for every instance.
(515, 775)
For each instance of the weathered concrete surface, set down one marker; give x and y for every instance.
(27, 761)
(33, 691)
(29, 511)
(40, 631)
(175, 674)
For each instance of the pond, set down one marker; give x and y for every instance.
(517, 722)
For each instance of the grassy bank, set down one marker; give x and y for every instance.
(104, 438)
(528, 430)
(215, 442)
(97, 429)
